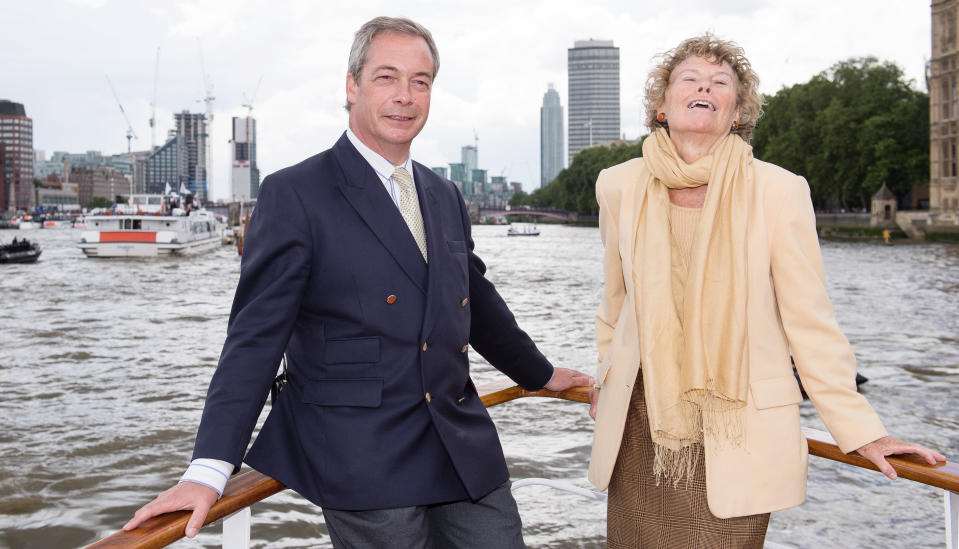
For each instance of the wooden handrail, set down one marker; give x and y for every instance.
(250, 487)
(241, 491)
(943, 475)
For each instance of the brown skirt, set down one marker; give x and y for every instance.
(642, 514)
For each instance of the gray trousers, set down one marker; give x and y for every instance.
(493, 522)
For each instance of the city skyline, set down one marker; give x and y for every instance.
(492, 75)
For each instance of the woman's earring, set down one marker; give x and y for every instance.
(661, 117)
(735, 125)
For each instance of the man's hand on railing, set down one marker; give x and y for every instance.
(185, 496)
(877, 450)
(564, 378)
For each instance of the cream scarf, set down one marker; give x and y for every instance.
(692, 325)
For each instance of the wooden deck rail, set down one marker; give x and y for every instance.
(246, 489)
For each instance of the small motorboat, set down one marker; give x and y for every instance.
(522, 230)
(19, 251)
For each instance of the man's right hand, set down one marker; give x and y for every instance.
(185, 496)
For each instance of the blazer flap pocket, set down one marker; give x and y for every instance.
(363, 392)
(457, 246)
(775, 391)
(352, 350)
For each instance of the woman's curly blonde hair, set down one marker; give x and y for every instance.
(707, 46)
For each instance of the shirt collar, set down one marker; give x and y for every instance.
(383, 167)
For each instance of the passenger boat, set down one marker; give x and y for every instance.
(19, 251)
(150, 225)
(522, 230)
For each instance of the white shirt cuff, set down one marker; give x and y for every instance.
(212, 473)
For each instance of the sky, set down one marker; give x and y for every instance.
(497, 59)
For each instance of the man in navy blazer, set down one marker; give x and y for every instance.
(374, 301)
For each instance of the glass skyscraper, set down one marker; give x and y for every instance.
(593, 67)
(550, 137)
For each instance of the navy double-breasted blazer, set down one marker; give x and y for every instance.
(379, 410)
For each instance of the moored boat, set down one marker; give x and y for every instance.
(27, 223)
(19, 251)
(150, 225)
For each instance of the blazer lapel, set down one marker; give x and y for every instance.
(364, 191)
(436, 265)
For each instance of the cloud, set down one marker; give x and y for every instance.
(497, 58)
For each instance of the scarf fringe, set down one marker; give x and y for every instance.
(705, 411)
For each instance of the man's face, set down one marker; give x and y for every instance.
(391, 99)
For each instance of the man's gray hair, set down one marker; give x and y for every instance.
(400, 25)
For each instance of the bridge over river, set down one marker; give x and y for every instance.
(548, 213)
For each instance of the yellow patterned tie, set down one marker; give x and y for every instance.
(410, 207)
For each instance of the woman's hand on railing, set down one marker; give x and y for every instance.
(185, 496)
(564, 378)
(877, 450)
(593, 399)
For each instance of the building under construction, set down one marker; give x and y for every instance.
(244, 175)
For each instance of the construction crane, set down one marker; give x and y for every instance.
(208, 99)
(130, 133)
(249, 102)
(153, 104)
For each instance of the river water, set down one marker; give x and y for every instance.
(104, 365)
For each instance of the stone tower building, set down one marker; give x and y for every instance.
(944, 112)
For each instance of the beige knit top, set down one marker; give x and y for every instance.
(682, 225)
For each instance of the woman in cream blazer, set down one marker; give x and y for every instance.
(787, 313)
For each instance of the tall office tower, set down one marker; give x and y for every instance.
(550, 137)
(167, 168)
(944, 110)
(593, 67)
(470, 156)
(245, 177)
(16, 147)
(193, 128)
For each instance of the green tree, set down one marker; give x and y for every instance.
(100, 202)
(518, 198)
(574, 188)
(849, 130)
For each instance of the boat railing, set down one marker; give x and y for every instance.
(248, 488)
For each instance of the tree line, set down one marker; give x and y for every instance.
(848, 130)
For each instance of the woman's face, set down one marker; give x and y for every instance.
(701, 99)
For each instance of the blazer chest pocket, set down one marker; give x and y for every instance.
(356, 350)
(457, 246)
(775, 391)
(361, 392)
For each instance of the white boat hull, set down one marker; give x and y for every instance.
(148, 249)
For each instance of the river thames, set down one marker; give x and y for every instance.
(104, 365)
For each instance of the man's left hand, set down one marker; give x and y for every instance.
(564, 378)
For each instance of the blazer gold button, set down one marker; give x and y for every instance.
(463, 350)
(391, 299)
(428, 399)
(464, 302)
(425, 346)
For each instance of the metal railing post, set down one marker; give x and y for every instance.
(951, 502)
(236, 530)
